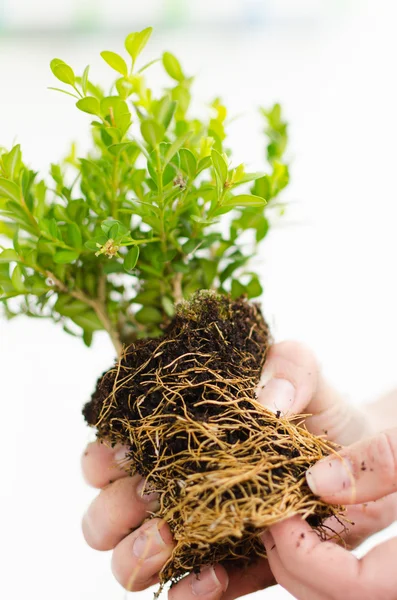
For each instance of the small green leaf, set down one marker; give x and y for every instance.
(173, 66)
(135, 42)
(148, 315)
(168, 306)
(62, 257)
(55, 89)
(244, 200)
(220, 166)
(68, 307)
(7, 229)
(10, 190)
(109, 225)
(13, 161)
(84, 80)
(88, 321)
(188, 162)
(8, 255)
(96, 242)
(115, 61)
(131, 259)
(87, 338)
(62, 71)
(175, 146)
(89, 105)
(254, 288)
(238, 289)
(152, 132)
(74, 235)
(17, 279)
(247, 177)
(116, 149)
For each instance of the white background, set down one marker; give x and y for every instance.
(329, 268)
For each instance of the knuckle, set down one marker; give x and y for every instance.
(383, 455)
(295, 352)
(295, 362)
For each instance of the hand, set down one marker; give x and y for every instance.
(315, 570)
(291, 383)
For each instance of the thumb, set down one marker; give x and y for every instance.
(292, 383)
(363, 472)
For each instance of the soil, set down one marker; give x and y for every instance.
(224, 466)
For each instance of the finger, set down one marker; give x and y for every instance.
(331, 570)
(292, 383)
(290, 583)
(139, 557)
(365, 520)
(102, 465)
(378, 570)
(324, 566)
(363, 472)
(209, 584)
(115, 511)
(257, 576)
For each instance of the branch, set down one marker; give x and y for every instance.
(98, 305)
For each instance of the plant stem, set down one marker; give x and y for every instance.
(97, 304)
(177, 288)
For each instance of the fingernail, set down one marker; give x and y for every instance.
(144, 495)
(278, 395)
(152, 541)
(206, 582)
(330, 476)
(121, 455)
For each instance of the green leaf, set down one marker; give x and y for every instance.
(131, 259)
(87, 338)
(116, 149)
(93, 243)
(244, 200)
(109, 228)
(13, 161)
(168, 306)
(188, 162)
(62, 71)
(84, 80)
(135, 42)
(88, 321)
(55, 89)
(74, 235)
(148, 315)
(89, 105)
(62, 257)
(7, 229)
(175, 146)
(68, 307)
(254, 288)
(115, 61)
(9, 189)
(247, 177)
(238, 289)
(17, 279)
(173, 67)
(152, 132)
(220, 167)
(8, 255)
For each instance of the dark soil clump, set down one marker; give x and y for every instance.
(225, 467)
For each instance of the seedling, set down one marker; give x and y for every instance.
(149, 237)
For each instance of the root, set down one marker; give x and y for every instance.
(224, 466)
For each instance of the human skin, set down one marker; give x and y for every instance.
(313, 570)
(291, 383)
